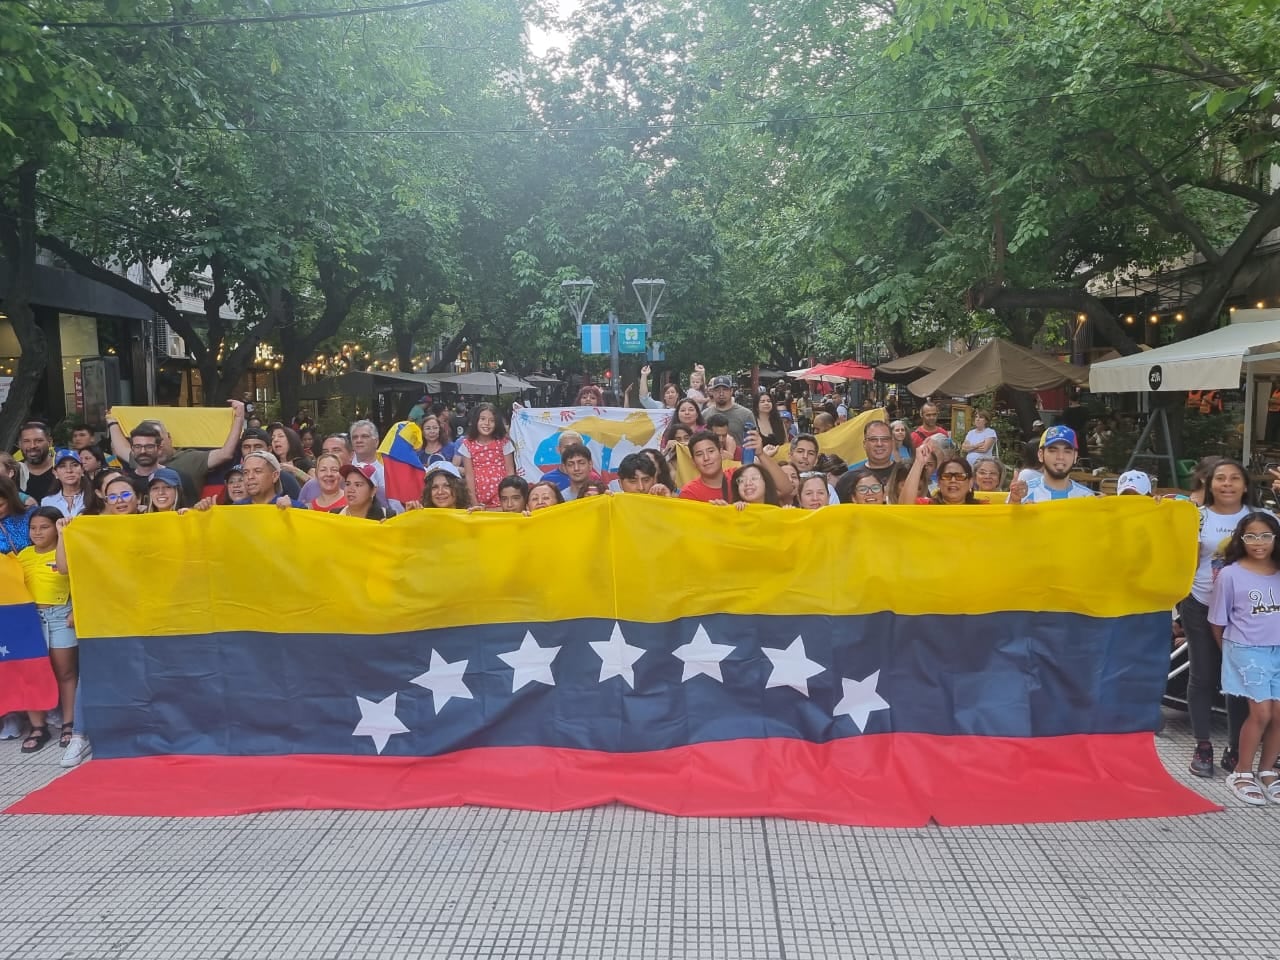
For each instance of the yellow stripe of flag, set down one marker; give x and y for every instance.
(629, 557)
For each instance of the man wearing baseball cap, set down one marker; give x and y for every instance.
(1058, 451)
(722, 402)
(262, 480)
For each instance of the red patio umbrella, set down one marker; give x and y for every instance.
(841, 370)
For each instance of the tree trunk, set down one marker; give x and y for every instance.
(296, 345)
(404, 350)
(451, 351)
(19, 238)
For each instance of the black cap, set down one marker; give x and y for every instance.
(256, 433)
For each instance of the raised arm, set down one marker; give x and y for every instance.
(119, 442)
(227, 452)
(769, 465)
(910, 491)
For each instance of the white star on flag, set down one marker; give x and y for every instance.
(791, 668)
(531, 663)
(701, 656)
(860, 700)
(4, 651)
(444, 680)
(378, 720)
(617, 657)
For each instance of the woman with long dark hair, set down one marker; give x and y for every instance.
(14, 518)
(287, 447)
(1226, 503)
(752, 484)
(75, 491)
(773, 432)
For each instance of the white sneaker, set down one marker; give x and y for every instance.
(77, 752)
(11, 729)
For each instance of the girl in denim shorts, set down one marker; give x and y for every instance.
(1244, 615)
(44, 567)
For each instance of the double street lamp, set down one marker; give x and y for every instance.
(649, 294)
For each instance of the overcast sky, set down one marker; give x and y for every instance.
(540, 41)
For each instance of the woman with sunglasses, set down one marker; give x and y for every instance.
(120, 497)
(955, 478)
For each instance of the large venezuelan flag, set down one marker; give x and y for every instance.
(855, 665)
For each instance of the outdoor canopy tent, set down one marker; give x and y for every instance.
(914, 364)
(366, 383)
(485, 384)
(997, 363)
(1248, 346)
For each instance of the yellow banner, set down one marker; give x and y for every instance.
(13, 588)
(629, 556)
(189, 426)
(845, 441)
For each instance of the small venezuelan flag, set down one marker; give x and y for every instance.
(401, 463)
(26, 679)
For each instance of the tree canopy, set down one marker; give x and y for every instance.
(811, 176)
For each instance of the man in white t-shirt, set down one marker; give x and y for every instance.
(1058, 452)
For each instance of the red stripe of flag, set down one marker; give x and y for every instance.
(890, 780)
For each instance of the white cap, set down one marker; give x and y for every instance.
(1135, 481)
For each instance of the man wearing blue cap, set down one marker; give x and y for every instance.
(1058, 452)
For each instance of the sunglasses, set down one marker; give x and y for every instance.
(119, 497)
(952, 476)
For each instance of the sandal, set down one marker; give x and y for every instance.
(1269, 781)
(65, 736)
(36, 739)
(1246, 788)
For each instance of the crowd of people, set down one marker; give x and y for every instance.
(745, 457)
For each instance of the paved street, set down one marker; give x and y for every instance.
(620, 883)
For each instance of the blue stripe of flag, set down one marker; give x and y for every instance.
(1005, 674)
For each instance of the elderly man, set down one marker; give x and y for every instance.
(364, 445)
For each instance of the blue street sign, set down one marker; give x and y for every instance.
(595, 338)
(631, 338)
